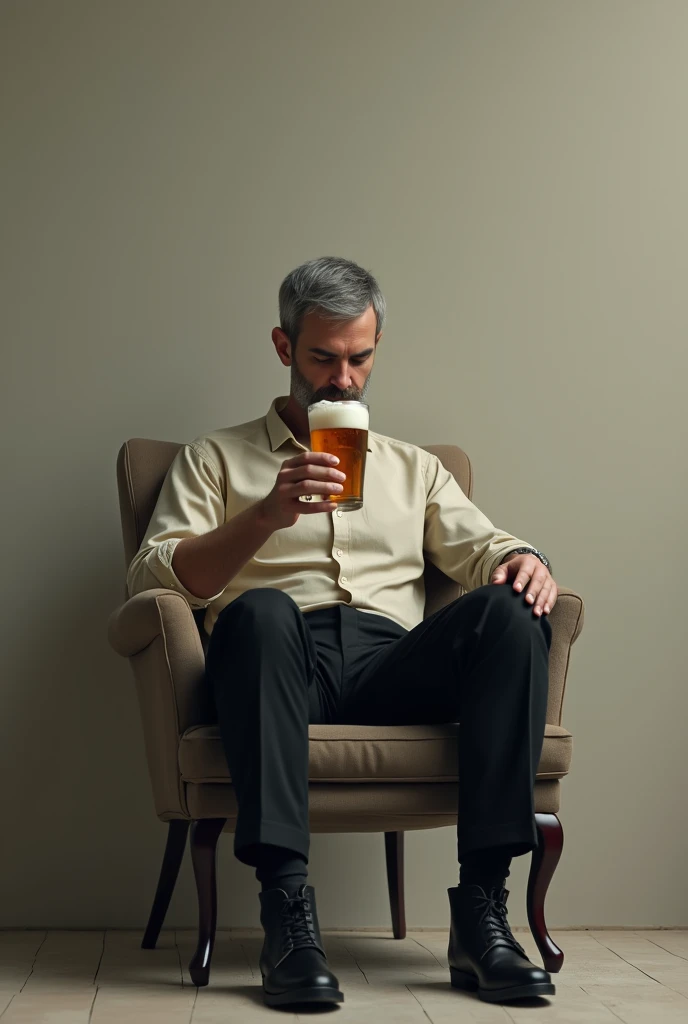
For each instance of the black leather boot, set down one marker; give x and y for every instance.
(484, 955)
(293, 962)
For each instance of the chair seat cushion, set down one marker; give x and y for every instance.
(368, 753)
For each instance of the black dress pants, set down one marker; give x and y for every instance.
(481, 661)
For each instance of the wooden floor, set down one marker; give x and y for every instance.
(105, 978)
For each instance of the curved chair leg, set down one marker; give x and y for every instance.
(204, 836)
(394, 855)
(544, 861)
(177, 832)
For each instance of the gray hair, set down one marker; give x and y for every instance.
(336, 288)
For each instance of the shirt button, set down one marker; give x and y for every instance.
(344, 579)
(340, 513)
(339, 552)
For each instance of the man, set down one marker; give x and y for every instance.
(315, 616)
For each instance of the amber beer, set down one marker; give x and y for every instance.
(341, 429)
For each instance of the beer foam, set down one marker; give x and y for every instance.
(331, 415)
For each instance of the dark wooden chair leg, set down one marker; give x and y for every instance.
(394, 855)
(174, 852)
(204, 836)
(544, 861)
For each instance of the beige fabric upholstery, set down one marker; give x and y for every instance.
(371, 808)
(368, 753)
(363, 778)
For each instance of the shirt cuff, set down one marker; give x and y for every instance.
(160, 565)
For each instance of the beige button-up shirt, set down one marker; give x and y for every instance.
(371, 559)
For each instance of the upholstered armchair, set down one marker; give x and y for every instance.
(386, 779)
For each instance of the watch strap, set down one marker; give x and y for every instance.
(533, 551)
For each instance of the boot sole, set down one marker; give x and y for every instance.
(303, 996)
(469, 982)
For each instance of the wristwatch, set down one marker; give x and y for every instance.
(532, 551)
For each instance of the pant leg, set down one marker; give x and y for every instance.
(483, 662)
(262, 665)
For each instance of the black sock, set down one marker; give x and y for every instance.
(488, 868)
(280, 868)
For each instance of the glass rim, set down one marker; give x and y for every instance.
(343, 401)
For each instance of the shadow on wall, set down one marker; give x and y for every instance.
(72, 752)
(76, 780)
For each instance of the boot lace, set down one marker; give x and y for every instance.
(297, 920)
(491, 911)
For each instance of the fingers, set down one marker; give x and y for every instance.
(295, 490)
(542, 594)
(538, 581)
(306, 472)
(305, 508)
(522, 577)
(544, 598)
(312, 459)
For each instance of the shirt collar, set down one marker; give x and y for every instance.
(278, 431)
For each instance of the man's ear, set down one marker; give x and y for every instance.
(378, 338)
(282, 346)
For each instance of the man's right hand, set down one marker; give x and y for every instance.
(309, 473)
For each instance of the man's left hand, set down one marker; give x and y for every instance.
(529, 574)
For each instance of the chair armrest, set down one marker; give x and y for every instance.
(566, 620)
(156, 630)
(137, 622)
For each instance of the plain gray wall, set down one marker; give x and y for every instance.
(515, 175)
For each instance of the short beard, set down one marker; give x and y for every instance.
(304, 394)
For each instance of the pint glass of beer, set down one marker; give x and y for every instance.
(341, 429)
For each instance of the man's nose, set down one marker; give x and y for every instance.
(341, 379)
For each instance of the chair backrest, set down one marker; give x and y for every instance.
(142, 465)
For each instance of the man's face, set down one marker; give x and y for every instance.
(331, 361)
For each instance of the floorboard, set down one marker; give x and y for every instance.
(62, 977)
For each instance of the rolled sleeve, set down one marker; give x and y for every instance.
(458, 538)
(192, 502)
